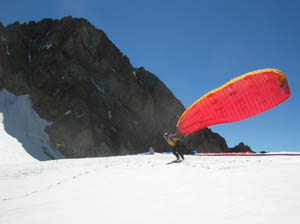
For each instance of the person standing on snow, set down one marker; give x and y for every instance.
(176, 145)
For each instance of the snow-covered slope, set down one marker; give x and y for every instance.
(149, 189)
(22, 135)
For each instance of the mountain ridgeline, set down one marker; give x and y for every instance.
(97, 102)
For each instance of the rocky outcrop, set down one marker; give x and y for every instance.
(241, 147)
(206, 141)
(98, 103)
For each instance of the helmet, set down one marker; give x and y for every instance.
(166, 134)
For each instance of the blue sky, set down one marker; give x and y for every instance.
(196, 46)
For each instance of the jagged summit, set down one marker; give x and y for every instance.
(98, 103)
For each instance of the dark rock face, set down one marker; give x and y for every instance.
(206, 141)
(241, 147)
(99, 104)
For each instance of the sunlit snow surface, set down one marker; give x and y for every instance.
(150, 189)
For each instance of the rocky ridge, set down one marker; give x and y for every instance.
(98, 103)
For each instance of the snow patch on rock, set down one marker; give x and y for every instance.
(22, 131)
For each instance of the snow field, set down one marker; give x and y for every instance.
(150, 189)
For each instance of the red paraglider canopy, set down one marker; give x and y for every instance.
(238, 99)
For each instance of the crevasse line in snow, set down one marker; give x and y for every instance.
(29, 65)
(4, 40)
(97, 86)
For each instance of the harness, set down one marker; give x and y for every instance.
(172, 141)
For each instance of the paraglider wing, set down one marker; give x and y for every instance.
(238, 99)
